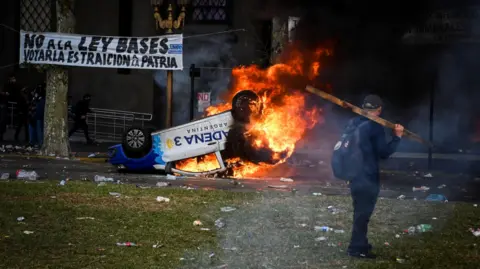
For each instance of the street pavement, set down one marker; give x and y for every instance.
(308, 178)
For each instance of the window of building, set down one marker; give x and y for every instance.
(37, 15)
(211, 11)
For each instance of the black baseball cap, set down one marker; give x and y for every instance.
(372, 101)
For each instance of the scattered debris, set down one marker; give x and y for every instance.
(399, 260)
(204, 229)
(63, 182)
(211, 255)
(197, 223)
(333, 210)
(317, 194)
(227, 209)
(20, 219)
(81, 218)
(98, 178)
(143, 187)
(163, 199)
(422, 188)
(296, 246)
(285, 179)
(322, 229)
(434, 218)
(28, 232)
(401, 197)
(157, 245)
(428, 175)
(5, 176)
(278, 186)
(171, 177)
(101, 184)
(92, 155)
(419, 229)
(321, 238)
(397, 236)
(116, 194)
(162, 184)
(436, 198)
(442, 186)
(339, 231)
(475, 232)
(27, 175)
(127, 244)
(386, 244)
(220, 223)
(475, 205)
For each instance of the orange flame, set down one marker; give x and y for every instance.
(285, 117)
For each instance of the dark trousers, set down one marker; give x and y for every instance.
(364, 195)
(80, 124)
(3, 120)
(22, 123)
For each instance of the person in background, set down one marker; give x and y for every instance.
(21, 112)
(32, 123)
(9, 87)
(40, 116)
(80, 111)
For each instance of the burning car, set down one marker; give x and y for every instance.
(253, 131)
(144, 149)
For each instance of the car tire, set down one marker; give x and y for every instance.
(241, 109)
(137, 142)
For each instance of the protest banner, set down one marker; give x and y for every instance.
(158, 52)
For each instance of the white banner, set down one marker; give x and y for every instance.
(158, 52)
(203, 99)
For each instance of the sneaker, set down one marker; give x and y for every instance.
(367, 255)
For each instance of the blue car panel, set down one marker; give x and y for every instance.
(118, 158)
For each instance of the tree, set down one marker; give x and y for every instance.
(55, 140)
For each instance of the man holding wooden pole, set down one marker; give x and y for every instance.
(365, 186)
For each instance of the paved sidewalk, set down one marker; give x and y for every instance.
(306, 180)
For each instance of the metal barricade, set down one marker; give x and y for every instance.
(105, 125)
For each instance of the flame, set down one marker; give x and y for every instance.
(284, 118)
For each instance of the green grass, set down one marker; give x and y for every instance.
(269, 230)
(60, 240)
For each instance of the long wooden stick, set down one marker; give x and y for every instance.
(364, 113)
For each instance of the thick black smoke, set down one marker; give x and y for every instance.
(370, 57)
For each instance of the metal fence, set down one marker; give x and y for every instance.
(105, 125)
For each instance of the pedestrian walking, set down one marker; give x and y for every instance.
(80, 111)
(363, 144)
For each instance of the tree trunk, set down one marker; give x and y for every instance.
(55, 140)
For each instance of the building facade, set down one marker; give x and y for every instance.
(214, 43)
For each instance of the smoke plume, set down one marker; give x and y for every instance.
(213, 55)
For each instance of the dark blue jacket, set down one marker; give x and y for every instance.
(374, 146)
(40, 109)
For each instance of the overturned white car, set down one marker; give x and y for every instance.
(221, 134)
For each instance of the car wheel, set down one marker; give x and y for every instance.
(245, 105)
(137, 142)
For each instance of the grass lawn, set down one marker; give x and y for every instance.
(268, 230)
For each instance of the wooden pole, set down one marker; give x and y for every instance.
(365, 113)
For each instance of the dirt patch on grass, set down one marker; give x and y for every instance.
(278, 231)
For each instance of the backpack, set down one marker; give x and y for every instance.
(347, 157)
